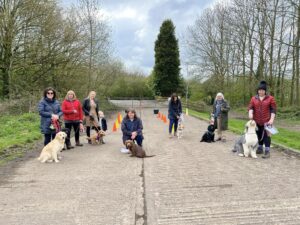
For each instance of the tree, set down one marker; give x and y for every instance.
(167, 64)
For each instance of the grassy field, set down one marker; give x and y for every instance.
(18, 130)
(285, 137)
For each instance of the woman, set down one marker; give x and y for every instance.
(262, 109)
(220, 115)
(132, 127)
(73, 116)
(90, 108)
(174, 112)
(50, 111)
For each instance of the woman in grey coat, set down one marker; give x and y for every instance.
(220, 115)
(49, 110)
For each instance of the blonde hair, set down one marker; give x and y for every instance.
(71, 92)
(100, 113)
(91, 92)
(220, 94)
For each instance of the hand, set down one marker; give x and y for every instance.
(54, 117)
(81, 128)
(270, 122)
(133, 135)
(178, 117)
(74, 111)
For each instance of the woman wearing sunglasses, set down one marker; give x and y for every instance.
(49, 110)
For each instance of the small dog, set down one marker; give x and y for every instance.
(251, 140)
(209, 135)
(238, 145)
(136, 150)
(51, 150)
(97, 138)
(180, 129)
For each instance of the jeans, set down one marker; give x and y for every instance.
(175, 122)
(139, 139)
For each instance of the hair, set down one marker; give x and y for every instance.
(50, 89)
(100, 112)
(132, 111)
(219, 94)
(91, 92)
(71, 92)
(173, 97)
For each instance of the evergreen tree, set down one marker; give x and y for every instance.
(166, 69)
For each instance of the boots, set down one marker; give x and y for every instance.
(69, 146)
(78, 143)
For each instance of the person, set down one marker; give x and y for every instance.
(73, 116)
(132, 127)
(262, 109)
(220, 115)
(102, 122)
(174, 111)
(90, 108)
(50, 112)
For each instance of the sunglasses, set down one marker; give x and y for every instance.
(49, 93)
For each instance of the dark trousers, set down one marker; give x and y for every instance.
(138, 139)
(76, 127)
(262, 136)
(175, 122)
(88, 130)
(48, 138)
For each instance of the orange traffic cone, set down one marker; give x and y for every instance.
(114, 128)
(119, 118)
(162, 117)
(165, 119)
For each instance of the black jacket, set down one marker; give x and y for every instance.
(86, 106)
(175, 109)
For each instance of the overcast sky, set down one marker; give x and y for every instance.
(135, 26)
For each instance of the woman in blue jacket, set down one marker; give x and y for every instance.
(174, 112)
(132, 127)
(49, 109)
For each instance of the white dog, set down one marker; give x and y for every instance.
(51, 150)
(251, 140)
(180, 127)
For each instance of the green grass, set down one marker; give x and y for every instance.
(285, 137)
(19, 130)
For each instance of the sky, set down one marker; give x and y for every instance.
(135, 25)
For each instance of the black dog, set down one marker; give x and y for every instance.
(209, 135)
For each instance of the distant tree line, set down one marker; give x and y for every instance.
(234, 45)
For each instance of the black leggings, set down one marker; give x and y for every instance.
(76, 127)
(262, 136)
(48, 138)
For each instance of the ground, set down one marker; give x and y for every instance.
(187, 182)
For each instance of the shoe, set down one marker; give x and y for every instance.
(219, 139)
(234, 150)
(170, 136)
(266, 155)
(89, 142)
(78, 144)
(69, 147)
(259, 151)
(175, 134)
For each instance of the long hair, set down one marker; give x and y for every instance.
(71, 92)
(132, 111)
(49, 89)
(91, 92)
(173, 96)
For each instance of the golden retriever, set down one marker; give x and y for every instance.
(51, 150)
(97, 138)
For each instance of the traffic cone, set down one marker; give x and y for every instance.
(162, 117)
(114, 128)
(120, 118)
(165, 119)
(117, 123)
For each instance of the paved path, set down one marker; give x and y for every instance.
(187, 182)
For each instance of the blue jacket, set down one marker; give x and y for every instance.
(46, 108)
(175, 109)
(129, 126)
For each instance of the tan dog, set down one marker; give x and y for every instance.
(51, 150)
(97, 138)
(136, 150)
(251, 142)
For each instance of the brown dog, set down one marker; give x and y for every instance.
(97, 138)
(136, 150)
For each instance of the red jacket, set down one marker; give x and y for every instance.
(68, 108)
(262, 109)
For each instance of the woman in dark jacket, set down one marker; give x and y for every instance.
(220, 115)
(174, 112)
(90, 109)
(49, 110)
(132, 127)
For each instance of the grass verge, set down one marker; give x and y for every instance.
(285, 137)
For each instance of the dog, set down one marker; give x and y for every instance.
(97, 138)
(209, 135)
(238, 145)
(51, 151)
(251, 141)
(136, 150)
(180, 129)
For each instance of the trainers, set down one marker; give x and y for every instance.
(259, 151)
(175, 134)
(266, 155)
(79, 144)
(170, 136)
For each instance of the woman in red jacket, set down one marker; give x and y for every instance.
(262, 110)
(73, 115)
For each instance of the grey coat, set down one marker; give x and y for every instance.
(46, 108)
(224, 114)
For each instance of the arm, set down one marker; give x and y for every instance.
(179, 108)
(80, 111)
(225, 107)
(64, 108)
(84, 107)
(124, 128)
(42, 112)
(140, 127)
(59, 112)
(273, 111)
(251, 109)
